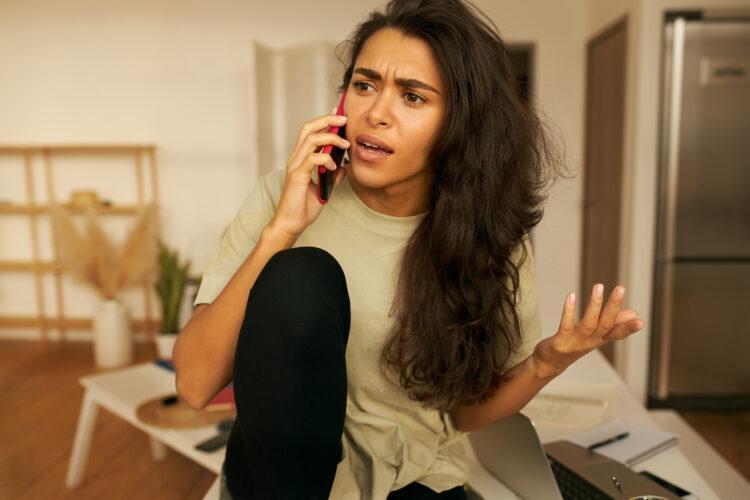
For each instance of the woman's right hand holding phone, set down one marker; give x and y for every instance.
(299, 205)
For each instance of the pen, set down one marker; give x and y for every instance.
(608, 441)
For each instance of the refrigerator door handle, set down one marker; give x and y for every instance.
(673, 133)
(672, 159)
(665, 333)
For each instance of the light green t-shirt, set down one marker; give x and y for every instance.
(389, 440)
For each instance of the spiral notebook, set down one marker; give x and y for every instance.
(642, 443)
(574, 405)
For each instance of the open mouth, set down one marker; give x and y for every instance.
(373, 148)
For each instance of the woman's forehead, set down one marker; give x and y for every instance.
(395, 55)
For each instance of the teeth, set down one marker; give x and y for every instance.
(373, 146)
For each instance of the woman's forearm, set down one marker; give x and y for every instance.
(204, 352)
(518, 386)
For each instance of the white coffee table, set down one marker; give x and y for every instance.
(121, 392)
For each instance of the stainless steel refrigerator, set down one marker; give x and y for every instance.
(700, 350)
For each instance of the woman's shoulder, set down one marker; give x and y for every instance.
(272, 184)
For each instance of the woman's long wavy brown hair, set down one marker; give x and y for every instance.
(456, 322)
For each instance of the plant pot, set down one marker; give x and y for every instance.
(165, 344)
(113, 344)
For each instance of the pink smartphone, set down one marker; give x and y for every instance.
(326, 177)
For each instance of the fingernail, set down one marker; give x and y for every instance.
(341, 117)
(620, 292)
(571, 299)
(598, 289)
(347, 143)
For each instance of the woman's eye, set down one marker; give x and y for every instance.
(357, 85)
(412, 98)
(419, 97)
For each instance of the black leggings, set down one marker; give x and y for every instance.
(290, 383)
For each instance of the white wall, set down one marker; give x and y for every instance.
(177, 74)
(640, 159)
(557, 29)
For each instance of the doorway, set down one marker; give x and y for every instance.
(603, 163)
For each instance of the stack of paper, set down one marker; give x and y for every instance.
(571, 404)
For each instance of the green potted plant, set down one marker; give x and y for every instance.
(170, 288)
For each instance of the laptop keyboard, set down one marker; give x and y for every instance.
(572, 486)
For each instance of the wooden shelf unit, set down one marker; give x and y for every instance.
(141, 154)
(26, 209)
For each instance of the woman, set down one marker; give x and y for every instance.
(366, 336)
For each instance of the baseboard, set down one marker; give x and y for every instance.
(55, 335)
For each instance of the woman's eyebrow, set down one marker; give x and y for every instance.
(404, 82)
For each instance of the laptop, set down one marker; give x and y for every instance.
(510, 450)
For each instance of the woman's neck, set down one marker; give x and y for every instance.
(404, 199)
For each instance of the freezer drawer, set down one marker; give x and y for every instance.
(702, 330)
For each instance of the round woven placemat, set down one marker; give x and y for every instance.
(178, 415)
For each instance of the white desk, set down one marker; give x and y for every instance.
(122, 391)
(670, 464)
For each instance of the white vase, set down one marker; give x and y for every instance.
(165, 344)
(113, 344)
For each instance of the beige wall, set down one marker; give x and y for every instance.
(178, 74)
(557, 28)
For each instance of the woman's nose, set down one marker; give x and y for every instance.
(379, 112)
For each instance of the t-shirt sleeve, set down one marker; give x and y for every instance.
(527, 306)
(240, 237)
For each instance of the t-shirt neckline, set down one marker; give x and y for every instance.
(376, 221)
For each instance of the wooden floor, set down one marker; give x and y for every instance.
(41, 400)
(727, 432)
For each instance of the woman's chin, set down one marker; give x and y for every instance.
(364, 175)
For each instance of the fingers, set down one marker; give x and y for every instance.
(568, 320)
(608, 318)
(597, 325)
(597, 322)
(314, 142)
(320, 139)
(590, 318)
(319, 124)
(324, 159)
(311, 162)
(625, 315)
(624, 330)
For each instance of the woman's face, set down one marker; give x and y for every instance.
(405, 115)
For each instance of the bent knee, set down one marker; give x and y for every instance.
(304, 286)
(303, 272)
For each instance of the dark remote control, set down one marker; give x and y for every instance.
(214, 443)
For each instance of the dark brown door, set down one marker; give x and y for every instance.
(602, 174)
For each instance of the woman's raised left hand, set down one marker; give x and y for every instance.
(573, 340)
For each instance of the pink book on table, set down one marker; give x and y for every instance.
(224, 400)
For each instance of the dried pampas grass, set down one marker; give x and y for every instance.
(139, 257)
(91, 258)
